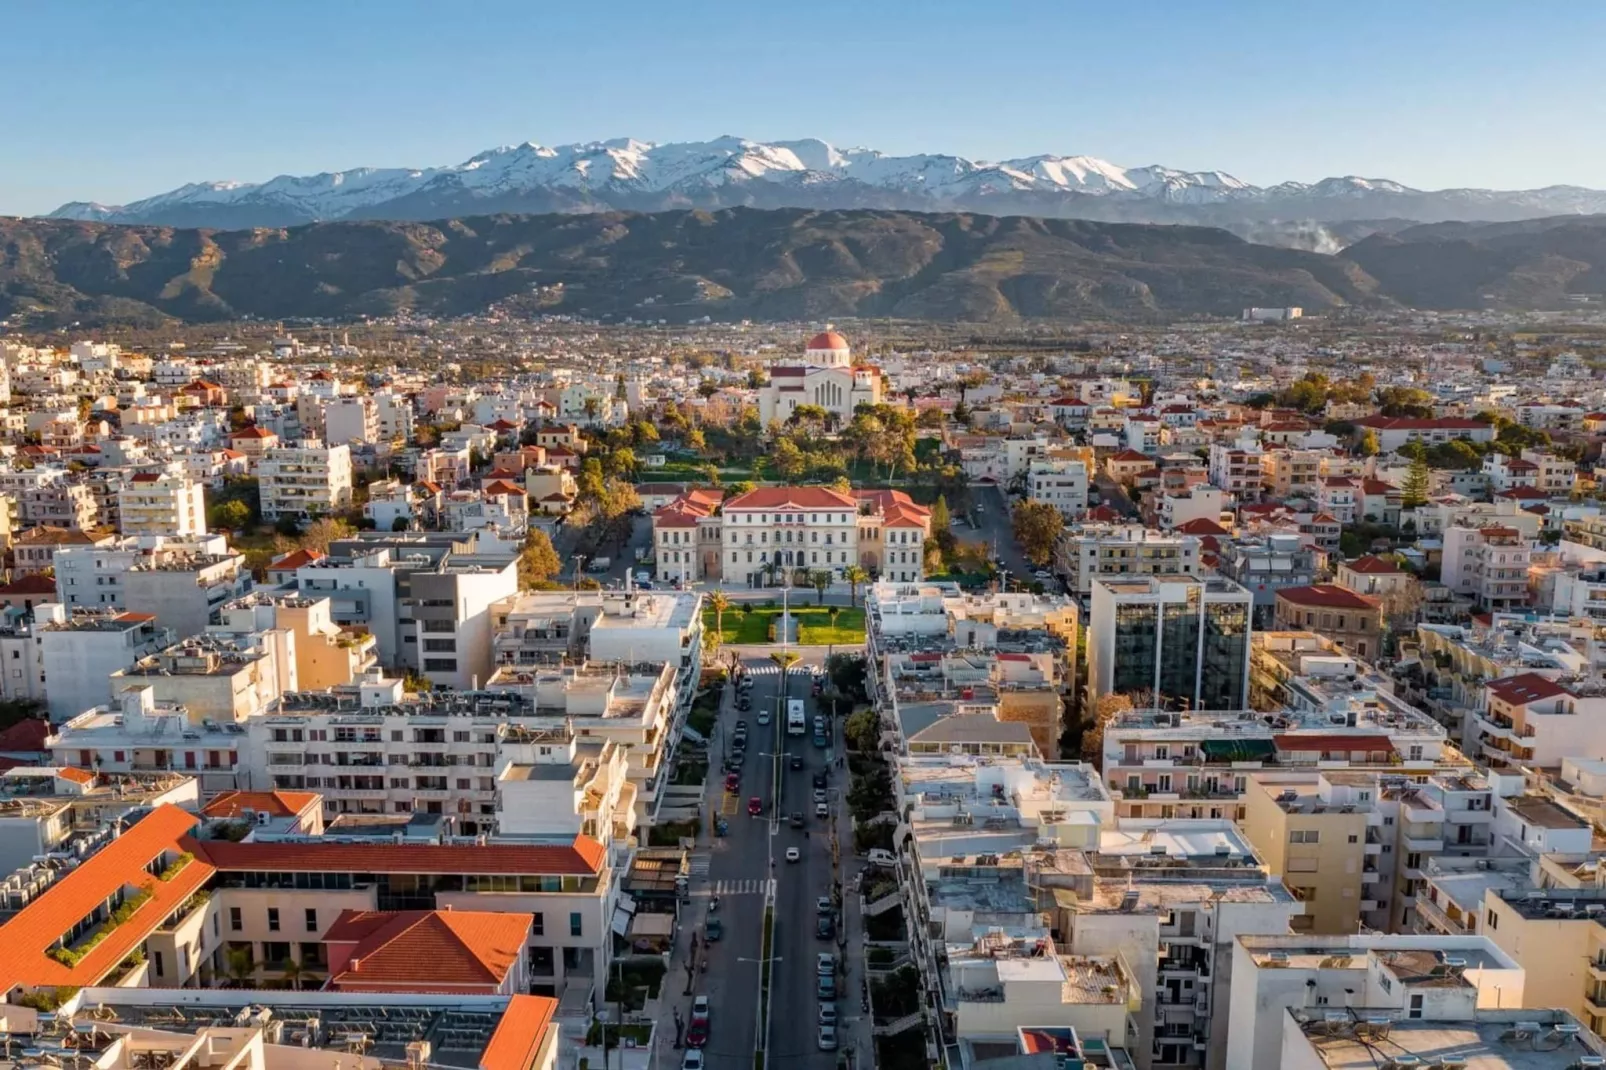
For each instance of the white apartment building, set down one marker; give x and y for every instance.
(305, 480)
(1097, 550)
(1489, 564)
(162, 503)
(351, 421)
(1236, 468)
(81, 651)
(1387, 975)
(1060, 483)
(1202, 501)
(138, 734)
(394, 413)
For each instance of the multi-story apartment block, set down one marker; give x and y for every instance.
(1060, 483)
(1557, 936)
(1490, 564)
(81, 651)
(1174, 641)
(351, 421)
(1313, 831)
(394, 413)
(305, 480)
(1395, 431)
(1237, 468)
(1289, 473)
(1268, 564)
(166, 503)
(1095, 551)
(1201, 501)
(425, 596)
(1529, 719)
(221, 677)
(140, 735)
(325, 655)
(1367, 977)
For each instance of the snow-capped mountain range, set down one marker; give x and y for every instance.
(731, 171)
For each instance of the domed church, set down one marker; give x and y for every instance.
(826, 377)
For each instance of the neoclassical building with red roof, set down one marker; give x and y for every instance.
(771, 532)
(827, 377)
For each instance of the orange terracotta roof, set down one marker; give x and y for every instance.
(434, 949)
(1202, 526)
(519, 1035)
(253, 432)
(34, 583)
(500, 487)
(795, 497)
(1372, 565)
(296, 559)
(77, 776)
(581, 858)
(277, 803)
(25, 939)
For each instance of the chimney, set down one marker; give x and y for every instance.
(355, 965)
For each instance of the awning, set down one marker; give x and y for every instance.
(1237, 750)
(622, 914)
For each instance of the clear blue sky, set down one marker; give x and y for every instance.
(111, 101)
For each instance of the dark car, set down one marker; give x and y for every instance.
(744, 704)
(824, 928)
(819, 780)
(797, 761)
(796, 820)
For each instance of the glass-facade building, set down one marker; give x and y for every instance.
(1171, 642)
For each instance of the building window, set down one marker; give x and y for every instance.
(312, 920)
(574, 923)
(1304, 836)
(273, 919)
(538, 925)
(235, 922)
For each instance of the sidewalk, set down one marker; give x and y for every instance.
(692, 917)
(854, 1038)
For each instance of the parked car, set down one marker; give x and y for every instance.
(828, 1014)
(880, 856)
(714, 929)
(693, 1059)
(823, 905)
(828, 1038)
(824, 927)
(825, 987)
(822, 810)
(733, 782)
(700, 1008)
(819, 780)
(819, 795)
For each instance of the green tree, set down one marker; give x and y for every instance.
(860, 730)
(855, 576)
(1370, 446)
(787, 460)
(1037, 526)
(820, 579)
(643, 433)
(695, 440)
(1405, 401)
(591, 406)
(719, 603)
(1414, 489)
(711, 475)
(538, 560)
(232, 515)
(622, 463)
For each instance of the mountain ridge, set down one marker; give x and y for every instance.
(780, 264)
(728, 171)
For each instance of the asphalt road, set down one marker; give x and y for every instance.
(738, 871)
(994, 529)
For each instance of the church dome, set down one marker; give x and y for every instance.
(828, 341)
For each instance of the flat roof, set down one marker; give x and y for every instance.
(1481, 1043)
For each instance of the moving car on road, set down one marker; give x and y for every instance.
(793, 854)
(755, 806)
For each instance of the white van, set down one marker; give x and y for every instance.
(880, 856)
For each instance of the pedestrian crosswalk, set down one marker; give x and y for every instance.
(750, 886)
(769, 668)
(699, 865)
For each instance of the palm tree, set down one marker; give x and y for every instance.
(239, 966)
(719, 604)
(855, 576)
(821, 579)
(292, 972)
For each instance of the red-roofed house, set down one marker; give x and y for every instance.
(1372, 575)
(1395, 431)
(298, 812)
(463, 952)
(1531, 720)
(1354, 621)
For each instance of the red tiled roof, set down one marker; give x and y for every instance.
(1130, 455)
(77, 776)
(35, 583)
(433, 949)
(518, 1036)
(796, 497)
(1202, 526)
(28, 734)
(296, 559)
(1524, 688)
(1527, 494)
(1371, 565)
(581, 858)
(26, 937)
(253, 432)
(499, 487)
(1327, 596)
(827, 340)
(277, 803)
(146, 477)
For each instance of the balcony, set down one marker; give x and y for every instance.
(1370, 875)
(1437, 919)
(1427, 843)
(1597, 968)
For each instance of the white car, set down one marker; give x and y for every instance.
(693, 1059)
(822, 810)
(793, 854)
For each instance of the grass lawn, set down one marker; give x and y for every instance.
(814, 626)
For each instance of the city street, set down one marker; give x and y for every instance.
(738, 868)
(994, 529)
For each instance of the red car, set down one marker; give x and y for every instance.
(733, 781)
(697, 1033)
(755, 806)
